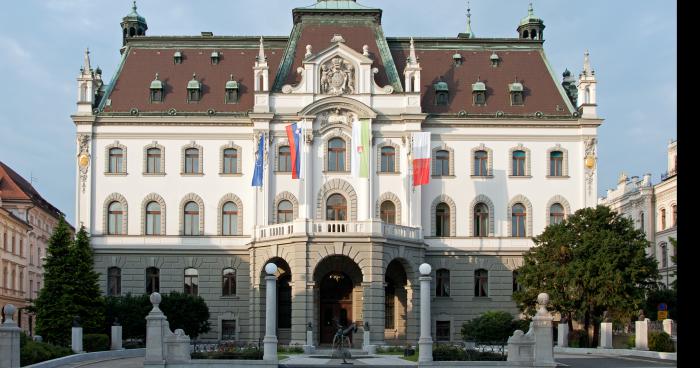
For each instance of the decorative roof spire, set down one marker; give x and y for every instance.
(469, 32)
(587, 65)
(530, 11)
(86, 61)
(412, 59)
(261, 58)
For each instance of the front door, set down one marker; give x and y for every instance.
(336, 304)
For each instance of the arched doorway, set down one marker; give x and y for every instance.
(338, 296)
(284, 299)
(395, 303)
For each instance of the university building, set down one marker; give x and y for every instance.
(166, 154)
(654, 210)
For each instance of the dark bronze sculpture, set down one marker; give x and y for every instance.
(341, 340)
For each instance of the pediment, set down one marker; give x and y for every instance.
(339, 49)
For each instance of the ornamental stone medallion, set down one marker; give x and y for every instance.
(337, 77)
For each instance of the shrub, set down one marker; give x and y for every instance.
(448, 353)
(577, 338)
(631, 342)
(32, 352)
(493, 326)
(237, 354)
(660, 341)
(95, 342)
(293, 349)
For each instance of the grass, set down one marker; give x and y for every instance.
(281, 357)
(412, 358)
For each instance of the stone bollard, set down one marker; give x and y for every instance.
(9, 339)
(425, 342)
(668, 327)
(606, 335)
(641, 331)
(270, 340)
(563, 334)
(309, 348)
(76, 341)
(116, 336)
(156, 322)
(542, 324)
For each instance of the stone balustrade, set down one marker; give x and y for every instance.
(331, 228)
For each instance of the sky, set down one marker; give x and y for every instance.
(632, 45)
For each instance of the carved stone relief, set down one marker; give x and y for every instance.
(83, 158)
(337, 77)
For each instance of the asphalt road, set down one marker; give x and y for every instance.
(588, 361)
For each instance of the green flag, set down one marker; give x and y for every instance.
(361, 148)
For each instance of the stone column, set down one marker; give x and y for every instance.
(9, 339)
(668, 327)
(641, 338)
(76, 342)
(116, 337)
(542, 322)
(156, 322)
(425, 342)
(270, 340)
(606, 335)
(563, 334)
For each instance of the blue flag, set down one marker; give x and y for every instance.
(258, 175)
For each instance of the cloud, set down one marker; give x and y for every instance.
(20, 61)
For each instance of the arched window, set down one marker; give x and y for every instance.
(284, 158)
(481, 220)
(336, 154)
(516, 284)
(153, 218)
(153, 156)
(387, 212)
(192, 161)
(519, 217)
(336, 208)
(526, 34)
(230, 160)
(556, 214)
(115, 217)
(442, 163)
(442, 220)
(664, 255)
(481, 283)
(481, 163)
(285, 212)
(229, 217)
(674, 209)
(519, 163)
(228, 282)
(442, 282)
(116, 160)
(191, 281)
(114, 281)
(533, 35)
(556, 163)
(191, 219)
(663, 219)
(152, 280)
(388, 163)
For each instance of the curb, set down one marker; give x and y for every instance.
(617, 352)
(77, 358)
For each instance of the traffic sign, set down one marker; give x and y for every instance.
(662, 315)
(663, 307)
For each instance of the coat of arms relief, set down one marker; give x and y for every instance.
(337, 77)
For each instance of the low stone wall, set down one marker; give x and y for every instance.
(211, 363)
(475, 364)
(77, 358)
(617, 352)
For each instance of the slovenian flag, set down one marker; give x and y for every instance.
(360, 148)
(294, 134)
(421, 159)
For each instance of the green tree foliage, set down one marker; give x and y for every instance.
(492, 326)
(53, 306)
(592, 262)
(184, 311)
(70, 288)
(660, 341)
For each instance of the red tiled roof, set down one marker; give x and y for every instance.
(131, 89)
(540, 89)
(14, 187)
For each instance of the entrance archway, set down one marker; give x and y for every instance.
(338, 282)
(395, 303)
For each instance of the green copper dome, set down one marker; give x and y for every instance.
(441, 86)
(232, 84)
(156, 84)
(194, 83)
(478, 87)
(134, 15)
(337, 5)
(530, 18)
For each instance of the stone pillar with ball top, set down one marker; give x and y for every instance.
(270, 340)
(641, 331)
(425, 342)
(155, 323)
(542, 324)
(9, 339)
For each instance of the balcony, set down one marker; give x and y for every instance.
(332, 228)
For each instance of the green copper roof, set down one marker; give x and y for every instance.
(194, 83)
(441, 86)
(530, 18)
(515, 87)
(232, 84)
(156, 84)
(337, 5)
(478, 86)
(135, 15)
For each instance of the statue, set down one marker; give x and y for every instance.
(641, 315)
(606, 317)
(309, 327)
(76, 321)
(116, 322)
(341, 340)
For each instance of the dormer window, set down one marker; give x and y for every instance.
(516, 94)
(479, 92)
(442, 93)
(177, 57)
(458, 59)
(231, 91)
(194, 90)
(215, 57)
(156, 90)
(495, 60)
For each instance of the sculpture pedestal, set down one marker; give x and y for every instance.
(606, 335)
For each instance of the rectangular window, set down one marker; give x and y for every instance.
(230, 161)
(192, 161)
(153, 161)
(285, 159)
(228, 329)
(442, 330)
(388, 161)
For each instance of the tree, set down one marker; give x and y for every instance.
(591, 262)
(88, 302)
(53, 309)
(187, 312)
(492, 326)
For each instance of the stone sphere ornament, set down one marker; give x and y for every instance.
(271, 268)
(156, 298)
(9, 311)
(425, 269)
(542, 301)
